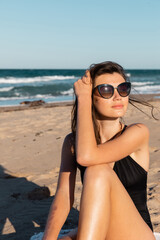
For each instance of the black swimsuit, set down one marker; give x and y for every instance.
(134, 179)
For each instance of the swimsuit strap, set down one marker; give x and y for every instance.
(124, 128)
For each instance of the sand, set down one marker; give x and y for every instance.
(30, 148)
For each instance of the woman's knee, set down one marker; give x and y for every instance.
(101, 172)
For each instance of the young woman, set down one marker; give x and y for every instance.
(113, 159)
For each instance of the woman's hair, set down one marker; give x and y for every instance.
(95, 71)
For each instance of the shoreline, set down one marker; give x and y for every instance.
(27, 107)
(142, 97)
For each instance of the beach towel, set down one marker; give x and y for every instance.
(62, 232)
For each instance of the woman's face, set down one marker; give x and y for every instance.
(115, 106)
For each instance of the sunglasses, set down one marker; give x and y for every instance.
(107, 90)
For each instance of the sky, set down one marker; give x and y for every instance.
(74, 34)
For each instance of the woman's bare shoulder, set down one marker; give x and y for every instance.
(138, 128)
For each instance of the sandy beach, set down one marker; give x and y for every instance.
(30, 147)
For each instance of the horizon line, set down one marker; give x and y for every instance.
(72, 68)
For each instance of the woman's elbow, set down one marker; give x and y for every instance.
(84, 161)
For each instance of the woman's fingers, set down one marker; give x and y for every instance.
(83, 86)
(86, 78)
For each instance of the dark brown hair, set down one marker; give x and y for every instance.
(95, 71)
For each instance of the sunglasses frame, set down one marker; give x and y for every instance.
(105, 85)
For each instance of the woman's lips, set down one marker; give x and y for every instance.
(118, 106)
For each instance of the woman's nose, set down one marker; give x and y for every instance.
(116, 94)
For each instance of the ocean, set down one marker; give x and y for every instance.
(56, 85)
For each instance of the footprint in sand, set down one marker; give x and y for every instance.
(153, 149)
(58, 138)
(48, 130)
(151, 190)
(38, 134)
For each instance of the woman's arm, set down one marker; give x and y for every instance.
(64, 196)
(87, 150)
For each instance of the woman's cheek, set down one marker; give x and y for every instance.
(104, 107)
(101, 105)
(98, 103)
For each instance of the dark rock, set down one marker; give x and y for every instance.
(39, 193)
(33, 103)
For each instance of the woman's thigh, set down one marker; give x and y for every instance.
(125, 221)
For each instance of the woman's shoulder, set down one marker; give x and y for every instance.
(69, 138)
(138, 128)
(69, 141)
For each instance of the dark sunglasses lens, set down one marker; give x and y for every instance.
(106, 91)
(124, 89)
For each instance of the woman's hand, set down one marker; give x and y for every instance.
(83, 87)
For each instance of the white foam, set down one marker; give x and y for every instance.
(13, 80)
(147, 89)
(6, 89)
(43, 96)
(141, 83)
(28, 97)
(128, 74)
(12, 98)
(68, 92)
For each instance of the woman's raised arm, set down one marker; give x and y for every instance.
(88, 151)
(64, 196)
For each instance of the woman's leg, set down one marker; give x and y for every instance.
(107, 211)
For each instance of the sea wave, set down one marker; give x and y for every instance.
(147, 89)
(38, 96)
(6, 89)
(141, 83)
(128, 74)
(13, 80)
(68, 92)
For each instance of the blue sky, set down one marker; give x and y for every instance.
(75, 34)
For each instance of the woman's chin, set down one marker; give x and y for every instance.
(112, 115)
